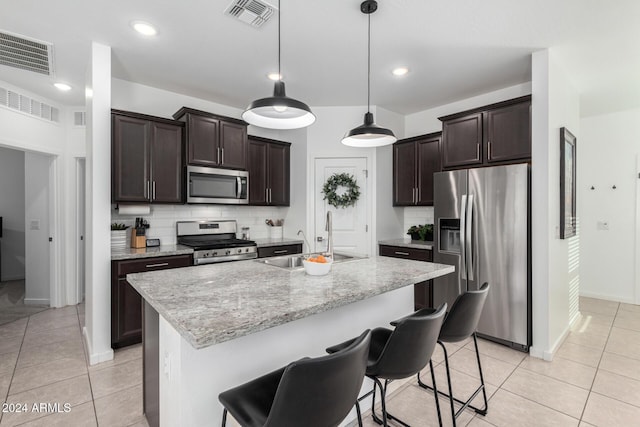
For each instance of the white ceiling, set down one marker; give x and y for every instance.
(455, 49)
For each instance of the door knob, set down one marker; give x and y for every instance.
(319, 239)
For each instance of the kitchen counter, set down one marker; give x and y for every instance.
(164, 250)
(264, 243)
(407, 243)
(211, 304)
(212, 327)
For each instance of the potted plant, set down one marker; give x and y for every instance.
(118, 236)
(421, 232)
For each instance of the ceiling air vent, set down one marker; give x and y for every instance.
(26, 54)
(79, 118)
(252, 12)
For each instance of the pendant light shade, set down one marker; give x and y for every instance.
(278, 111)
(369, 134)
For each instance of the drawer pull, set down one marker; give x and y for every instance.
(282, 251)
(402, 253)
(161, 264)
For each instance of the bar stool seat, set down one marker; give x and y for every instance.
(314, 392)
(400, 353)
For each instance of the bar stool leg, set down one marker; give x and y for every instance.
(435, 391)
(484, 392)
(224, 417)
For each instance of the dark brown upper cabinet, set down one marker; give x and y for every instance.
(212, 140)
(495, 134)
(147, 159)
(268, 166)
(415, 160)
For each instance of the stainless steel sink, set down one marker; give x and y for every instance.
(294, 262)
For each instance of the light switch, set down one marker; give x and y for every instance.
(603, 225)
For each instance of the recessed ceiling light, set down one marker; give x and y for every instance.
(88, 92)
(144, 28)
(62, 86)
(400, 71)
(274, 76)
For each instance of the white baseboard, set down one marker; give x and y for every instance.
(39, 301)
(606, 297)
(95, 358)
(549, 353)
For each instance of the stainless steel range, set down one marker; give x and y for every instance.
(214, 241)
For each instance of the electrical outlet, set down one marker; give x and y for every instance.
(602, 225)
(167, 365)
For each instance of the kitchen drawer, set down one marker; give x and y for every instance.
(407, 253)
(152, 264)
(279, 250)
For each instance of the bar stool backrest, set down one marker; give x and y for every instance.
(320, 392)
(462, 319)
(410, 346)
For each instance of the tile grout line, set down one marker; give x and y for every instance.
(16, 364)
(598, 366)
(86, 361)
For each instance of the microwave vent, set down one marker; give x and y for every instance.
(252, 12)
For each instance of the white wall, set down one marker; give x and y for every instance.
(416, 216)
(608, 152)
(24, 132)
(555, 104)
(12, 213)
(388, 219)
(98, 195)
(37, 245)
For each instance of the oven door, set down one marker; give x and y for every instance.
(219, 186)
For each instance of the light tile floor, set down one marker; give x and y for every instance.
(594, 379)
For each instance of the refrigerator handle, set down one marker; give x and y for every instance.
(463, 242)
(468, 237)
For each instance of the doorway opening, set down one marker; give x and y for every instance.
(27, 208)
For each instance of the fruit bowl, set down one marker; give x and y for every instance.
(317, 268)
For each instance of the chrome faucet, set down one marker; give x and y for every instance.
(328, 227)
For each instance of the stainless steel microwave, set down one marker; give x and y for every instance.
(217, 186)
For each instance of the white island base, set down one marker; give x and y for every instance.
(190, 380)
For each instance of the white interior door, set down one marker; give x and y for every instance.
(350, 224)
(80, 208)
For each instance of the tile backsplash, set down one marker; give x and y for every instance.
(417, 215)
(162, 219)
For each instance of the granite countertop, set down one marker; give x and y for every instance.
(213, 303)
(407, 243)
(164, 250)
(263, 243)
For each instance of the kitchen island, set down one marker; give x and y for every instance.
(212, 327)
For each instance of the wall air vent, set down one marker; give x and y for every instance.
(79, 118)
(27, 105)
(26, 54)
(252, 12)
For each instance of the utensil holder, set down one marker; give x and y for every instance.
(138, 242)
(275, 232)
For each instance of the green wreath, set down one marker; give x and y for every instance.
(349, 198)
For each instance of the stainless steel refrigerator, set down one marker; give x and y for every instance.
(483, 228)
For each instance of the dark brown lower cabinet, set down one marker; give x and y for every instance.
(279, 250)
(423, 291)
(126, 303)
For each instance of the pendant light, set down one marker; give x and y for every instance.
(279, 111)
(369, 134)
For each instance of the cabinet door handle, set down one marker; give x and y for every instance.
(147, 194)
(218, 155)
(270, 198)
(222, 151)
(489, 150)
(282, 251)
(477, 151)
(160, 264)
(402, 253)
(266, 195)
(153, 191)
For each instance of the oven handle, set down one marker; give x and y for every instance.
(238, 187)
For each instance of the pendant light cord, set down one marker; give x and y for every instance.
(279, 72)
(368, 65)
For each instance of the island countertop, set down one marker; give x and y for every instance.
(213, 303)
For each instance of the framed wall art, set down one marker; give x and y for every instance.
(567, 184)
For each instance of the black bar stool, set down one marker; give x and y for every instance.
(461, 323)
(401, 353)
(317, 392)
